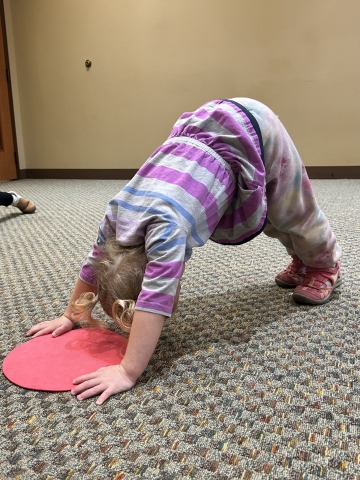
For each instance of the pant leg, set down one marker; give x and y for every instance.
(6, 199)
(294, 215)
(283, 237)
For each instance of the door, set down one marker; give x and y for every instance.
(8, 170)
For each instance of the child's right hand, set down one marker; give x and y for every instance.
(57, 327)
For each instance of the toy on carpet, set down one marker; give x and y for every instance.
(52, 363)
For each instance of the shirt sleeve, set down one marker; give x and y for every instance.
(167, 251)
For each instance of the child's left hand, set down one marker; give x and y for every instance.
(106, 381)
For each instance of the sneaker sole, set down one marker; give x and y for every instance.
(311, 301)
(32, 210)
(286, 285)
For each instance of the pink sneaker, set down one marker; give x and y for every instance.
(293, 275)
(318, 285)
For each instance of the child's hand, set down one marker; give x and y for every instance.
(57, 327)
(107, 381)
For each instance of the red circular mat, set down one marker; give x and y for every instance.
(51, 364)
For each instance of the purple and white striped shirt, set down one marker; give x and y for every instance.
(206, 181)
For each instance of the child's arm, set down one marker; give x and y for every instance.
(145, 332)
(62, 324)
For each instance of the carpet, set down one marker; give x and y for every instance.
(244, 383)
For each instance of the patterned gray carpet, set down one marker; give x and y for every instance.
(244, 384)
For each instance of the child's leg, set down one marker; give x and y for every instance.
(12, 198)
(313, 286)
(294, 215)
(294, 273)
(6, 199)
(283, 237)
(296, 220)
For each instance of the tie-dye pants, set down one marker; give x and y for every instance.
(294, 217)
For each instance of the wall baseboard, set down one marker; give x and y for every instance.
(80, 174)
(350, 172)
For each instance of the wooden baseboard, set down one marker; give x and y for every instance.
(351, 172)
(80, 174)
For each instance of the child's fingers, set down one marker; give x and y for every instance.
(104, 396)
(90, 392)
(105, 381)
(57, 327)
(43, 331)
(86, 385)
(89, 388)
(59, 331)
(84, 378)
(37, 328)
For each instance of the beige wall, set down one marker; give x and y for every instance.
(152, 60)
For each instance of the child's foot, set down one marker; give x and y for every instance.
(293, 275)
(23, 204)
(318, 285)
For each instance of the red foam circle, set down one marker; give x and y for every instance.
(51, 364)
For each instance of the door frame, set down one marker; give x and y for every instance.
(7, 64)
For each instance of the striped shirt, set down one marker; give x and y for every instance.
(206, 181)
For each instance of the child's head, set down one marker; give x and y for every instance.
(120, 273)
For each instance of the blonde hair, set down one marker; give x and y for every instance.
(120, 272)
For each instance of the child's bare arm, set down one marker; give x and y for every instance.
(145, 332)
(62, 324)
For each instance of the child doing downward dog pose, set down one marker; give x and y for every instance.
(227, 172)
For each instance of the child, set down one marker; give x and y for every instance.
(13, 199)
(228, 171)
